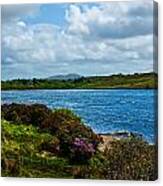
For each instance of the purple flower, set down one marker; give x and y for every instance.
(81, 145)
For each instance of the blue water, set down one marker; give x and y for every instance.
(103, 110)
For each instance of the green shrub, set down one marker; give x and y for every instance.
(53, 145)
(67, 132)
(63, 124)
(23, 154)
(67, 127)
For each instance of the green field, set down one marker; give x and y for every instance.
(144, 80)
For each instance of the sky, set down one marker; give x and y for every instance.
(41, 40)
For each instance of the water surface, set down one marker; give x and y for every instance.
(103, 110)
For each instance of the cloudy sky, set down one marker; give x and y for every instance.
(88, 39)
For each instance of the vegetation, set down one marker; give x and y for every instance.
(61, 123)
(23, 153)
(145, 80)
(39, 142)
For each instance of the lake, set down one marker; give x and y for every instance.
(103, 110)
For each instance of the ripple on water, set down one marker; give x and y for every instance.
(103, 110)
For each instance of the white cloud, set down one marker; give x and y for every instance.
(104, 39)
(112, 20)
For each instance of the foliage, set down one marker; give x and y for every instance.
(57, 118)
(53, 145)
(68, 127)
(131, 159)
(57, 144)
(29, 114)
(127, 159)
(60, 123)
(144, 80)
(81, 151)
(23, 153)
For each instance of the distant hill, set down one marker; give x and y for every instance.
(65, 77)
(75, 81)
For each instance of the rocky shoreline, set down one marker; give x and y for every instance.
(108, 138)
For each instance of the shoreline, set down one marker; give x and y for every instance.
(114, 134)
(108, 138)
(110, 88)
(124, 134)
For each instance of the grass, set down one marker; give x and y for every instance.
(69, 151)
(144, 80)
(22, 155)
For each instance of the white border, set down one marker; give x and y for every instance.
(61, 182)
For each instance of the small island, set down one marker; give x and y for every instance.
(40, 142)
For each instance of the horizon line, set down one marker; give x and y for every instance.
(81, 76)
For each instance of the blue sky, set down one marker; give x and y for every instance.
(49, 13)
(42, 40)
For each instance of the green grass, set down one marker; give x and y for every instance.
(22, 155)
(144, 80)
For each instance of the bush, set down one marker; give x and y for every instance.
(57, 118)
(93, 169)
(81, 151)
(29, 152)
(29, 114)
(68, 132)
(53, 145)
(68, 127)
(63, 124)
(131, 159)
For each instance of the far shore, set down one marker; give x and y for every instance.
(116, 88)
(118, 81)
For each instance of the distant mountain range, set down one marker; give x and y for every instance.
(65, 77)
